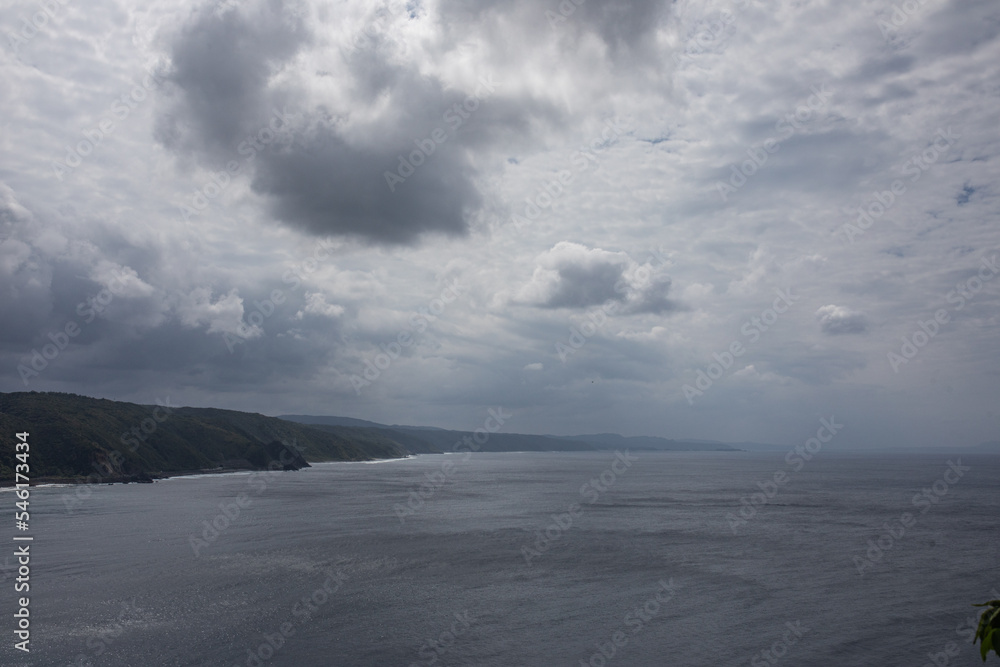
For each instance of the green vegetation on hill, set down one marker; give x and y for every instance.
(75, 436)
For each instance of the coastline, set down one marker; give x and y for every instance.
(151, 477)
(138, 478)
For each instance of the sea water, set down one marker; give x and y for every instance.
(595, 558)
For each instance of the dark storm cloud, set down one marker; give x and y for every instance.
(104, 312)
(221, 64)
(381, 179)
(135, 336)
(378, 178)
(326, 184)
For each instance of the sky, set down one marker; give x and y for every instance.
(722, 220)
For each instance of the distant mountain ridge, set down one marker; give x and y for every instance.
(648, 442)
(74, 437)
(497, 442)
(313, 420)
(438, 439)
(431, 439)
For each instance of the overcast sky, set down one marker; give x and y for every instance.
(411, 212)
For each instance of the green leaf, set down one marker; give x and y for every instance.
(989, 621)
(987, 644)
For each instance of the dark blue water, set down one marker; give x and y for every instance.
(319, 562)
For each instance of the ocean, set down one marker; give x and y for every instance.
(521, 559)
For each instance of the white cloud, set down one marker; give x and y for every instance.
(316, 305)
(840, 320)
(224, 315)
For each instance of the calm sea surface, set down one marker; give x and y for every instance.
(325, 567)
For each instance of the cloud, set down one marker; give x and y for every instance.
(127, 282)
(836, 320)
(315, 124)
(385, 161)
(571, 275)
(372, 144)
(324, 185)
(12, 214)
(316, 305)
(224, 315)
(221, 66)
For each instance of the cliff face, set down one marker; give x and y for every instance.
(76, 436)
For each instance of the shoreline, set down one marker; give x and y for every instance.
(151, 477)
(137, 478)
